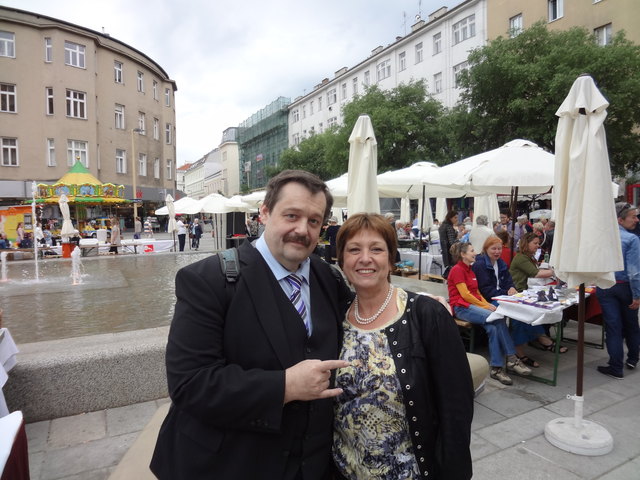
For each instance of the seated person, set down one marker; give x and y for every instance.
(4, 241)
(523, 267)
(401, 231)
(468, 304)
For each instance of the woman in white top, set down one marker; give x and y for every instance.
(182, 234)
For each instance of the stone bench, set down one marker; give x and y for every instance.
(60, 378)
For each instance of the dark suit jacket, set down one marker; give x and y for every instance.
(226, 375)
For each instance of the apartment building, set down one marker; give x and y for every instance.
(602, 17)
(225, 179)
(69, 93)
(436, 50)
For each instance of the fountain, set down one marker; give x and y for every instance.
(3, 263)
(34, 224)
(76, 266)
(117, 294)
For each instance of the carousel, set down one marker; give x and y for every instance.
(91, 199)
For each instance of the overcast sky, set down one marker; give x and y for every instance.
(230, 59)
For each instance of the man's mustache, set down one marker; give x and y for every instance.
(303, 239)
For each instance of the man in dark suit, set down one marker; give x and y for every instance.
(249, 366)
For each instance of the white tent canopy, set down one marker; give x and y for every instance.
(407, 182)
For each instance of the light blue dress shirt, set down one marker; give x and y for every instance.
(281, 273)
(631, 256)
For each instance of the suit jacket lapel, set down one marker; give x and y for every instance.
(258, 278)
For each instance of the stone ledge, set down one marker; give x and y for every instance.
(60, 378)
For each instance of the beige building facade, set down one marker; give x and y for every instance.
(69, 93)
(601, 17)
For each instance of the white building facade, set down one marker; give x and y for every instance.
(436, 50)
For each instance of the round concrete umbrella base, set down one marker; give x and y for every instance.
(588, 438)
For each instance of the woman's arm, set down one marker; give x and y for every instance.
(473, 300)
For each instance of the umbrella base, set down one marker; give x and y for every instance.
(588, 438)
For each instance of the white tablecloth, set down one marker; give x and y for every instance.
(427, 259)
(8, 352)
(141, 245)
(530, 314)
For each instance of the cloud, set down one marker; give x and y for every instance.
(230, 59)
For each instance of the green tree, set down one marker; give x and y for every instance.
(514, 86)
(310, 155)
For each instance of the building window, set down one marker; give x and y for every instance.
(332, 96)
(319, 103)
(117, 72)
(51, 153)
(320, 127)
(383, 70)
(355, 86)
(437, 43)
(332, 122)
(402, 61)
(9, 152)
(465, 28)
(48, 50)
(76, 104)
(457, 70)
(419, 52)
(343, 90)
(296, 115)
(8, 98)
(156, 168)
(167, 97)
(556, 9)
(142, 123)
(169, 169)
(295, 139)
(437, 83)
(141, 82)
(119, 113)
(304, 111)
(121, 161)
(155, 90)
(48, 94)
(603, 35)
(7, 44)
(367, 78)
(311, 107)
(77, 149)
(142, 164)
(156, 129)
(74, 54)
(515, 26)
(167, 133)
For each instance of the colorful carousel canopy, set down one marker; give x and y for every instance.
(81, 187)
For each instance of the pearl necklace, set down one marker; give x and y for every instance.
(367, 321)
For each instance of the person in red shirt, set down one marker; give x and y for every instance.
(468, 304)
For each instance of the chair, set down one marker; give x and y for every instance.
(467, 332)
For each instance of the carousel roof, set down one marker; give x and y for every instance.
(80, 186)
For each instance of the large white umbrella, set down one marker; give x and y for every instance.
(487, 205)
(254, 199)
(582, 202)
(518, 163)
(338, 187)
(67, 229)
(186, 205)
(171, 210)
(408, 181)
(363, 168)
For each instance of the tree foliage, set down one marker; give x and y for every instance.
(514, 87)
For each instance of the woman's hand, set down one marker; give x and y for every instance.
(491, 307)
(512, 291)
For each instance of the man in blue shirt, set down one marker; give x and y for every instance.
(620, 303)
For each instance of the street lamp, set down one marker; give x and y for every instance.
(134, 172)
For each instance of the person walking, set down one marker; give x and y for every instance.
(620, 303)
(182, 234)
(196, 233)
(250, 364)
(115, 235)
(137, 228)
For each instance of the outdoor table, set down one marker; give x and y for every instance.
(8, 352)
(428, 259)
(14, 455)
(513, 307)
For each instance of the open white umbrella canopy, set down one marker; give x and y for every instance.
(254, 199)
(172, 226)
(236, 204)
(582, 192)
(67, 229)
(338, 188)
(186, 205)
(518, 163)
(362, 191)
(408, 181)
(214, 203)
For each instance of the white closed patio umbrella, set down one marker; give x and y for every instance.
(67, 229)
(582, 204)
(362, 190)
(487, 205)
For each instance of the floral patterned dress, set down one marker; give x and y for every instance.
(371, 435)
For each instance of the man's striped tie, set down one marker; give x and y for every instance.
(296, 298)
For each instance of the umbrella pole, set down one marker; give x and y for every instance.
(514, 201)
(420, 237)
(578, 398)
(174, 240)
